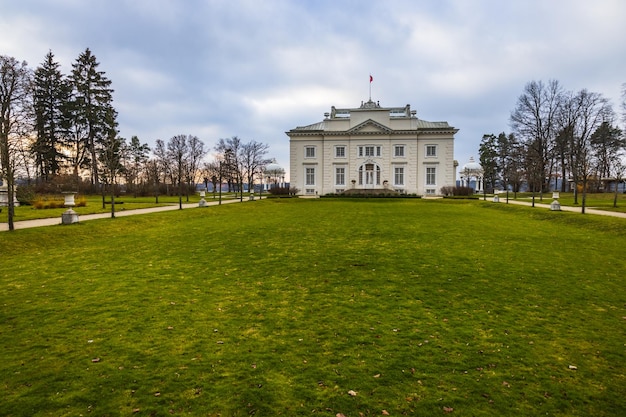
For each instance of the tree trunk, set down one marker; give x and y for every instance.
(10, 202)
(584, 199)
(112, 201)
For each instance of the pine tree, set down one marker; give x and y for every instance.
(92, 109)
(51, 96)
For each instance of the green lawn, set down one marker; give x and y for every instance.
(286, 307)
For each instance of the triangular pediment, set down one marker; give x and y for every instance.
(369, 126)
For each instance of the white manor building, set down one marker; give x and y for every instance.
(372, 148)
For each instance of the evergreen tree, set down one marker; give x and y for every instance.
(488, 155)
(607, 144)
(51, 96)
(91, 110)
(110, 155)
(135, 159)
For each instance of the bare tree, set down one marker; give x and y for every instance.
(153, 177)
(229, 152)
(623, 103)
(618, 172)
(15, 120)
(534, 122)
(210, 174)
(162, 164)
(591, 110)
(253, 160)
(177, 149)
(193, 159)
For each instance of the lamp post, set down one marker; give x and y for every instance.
(220, 183)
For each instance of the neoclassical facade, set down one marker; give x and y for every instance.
(372, 148)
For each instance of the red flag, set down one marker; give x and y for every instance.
(371, 78)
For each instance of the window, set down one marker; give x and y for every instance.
(398, 178)
(431, 176)
(340, 176)
(310, 176)
(431, 151)
(309, 152)
(398, 151)
(370, 150)
(340, 152)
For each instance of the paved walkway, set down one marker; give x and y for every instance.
(53, 221)
(564, 208)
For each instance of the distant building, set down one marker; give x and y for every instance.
(372, 148)
(472, 175)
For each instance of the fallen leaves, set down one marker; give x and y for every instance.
(448, 410)
(352, 393)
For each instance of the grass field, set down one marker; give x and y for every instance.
(317, 307)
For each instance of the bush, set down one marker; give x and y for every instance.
(43, 202)
(279, 191)
(456, 191)
(25, 194)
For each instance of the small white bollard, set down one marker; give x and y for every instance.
(496, 199)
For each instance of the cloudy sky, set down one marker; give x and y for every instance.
(255, 69)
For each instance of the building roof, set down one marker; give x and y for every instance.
(361, 120)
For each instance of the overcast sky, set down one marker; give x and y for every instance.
(256, 69)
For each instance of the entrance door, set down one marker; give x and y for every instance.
(369, 175)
